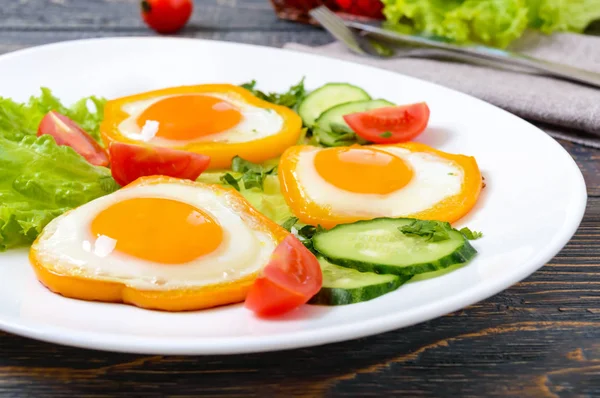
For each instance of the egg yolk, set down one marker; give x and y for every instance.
(161, 230)
(188, 117)
(363, 170)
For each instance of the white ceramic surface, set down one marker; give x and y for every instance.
(533, 203)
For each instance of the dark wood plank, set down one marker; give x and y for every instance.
(16, 40)
(588, 160)
(417, 362)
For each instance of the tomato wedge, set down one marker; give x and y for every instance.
(67, 132)
(291, 278)
(130, 161)
(391, 124)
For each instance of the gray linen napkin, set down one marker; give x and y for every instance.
(563, 109)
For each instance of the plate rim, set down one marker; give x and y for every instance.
(116, 342)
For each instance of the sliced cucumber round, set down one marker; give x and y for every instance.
(379, 246)
(343, 286)
(327, 96)
(332, 130)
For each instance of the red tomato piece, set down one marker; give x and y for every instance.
(166, 16)
(291, 278)
(130, 161)
(391, 124)
(365, 8)
(67, 132)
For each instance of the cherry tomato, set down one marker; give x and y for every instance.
(291, 278)
(166, 16)
(67, 132)
(129, 162)
(365, 8)
(390, 124)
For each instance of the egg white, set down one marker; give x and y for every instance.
(67, 245)
(256, 122)
(434, 179)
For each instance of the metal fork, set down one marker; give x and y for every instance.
(335, 25)
(429, 47)
(360, 44)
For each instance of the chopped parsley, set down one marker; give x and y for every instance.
(471, 235)
(386, 134)
(306, 233)
(253, 180)
(252, 175)
(436, 231)
(228, 179)
(433, 231)
(241, 165)
(290, 98)
(289, 223)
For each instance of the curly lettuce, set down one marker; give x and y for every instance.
(492, 22)
(39, 179)
(562, 15)
(24, 118)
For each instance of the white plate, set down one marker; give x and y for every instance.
(532, 205)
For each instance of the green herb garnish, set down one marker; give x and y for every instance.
(434, 231)
(471, 235)
(386, 134)
(290, 98)
(253, 180)
(306, 233)
(289, 223)
(241, 165)
(253, 175)
(228, 179)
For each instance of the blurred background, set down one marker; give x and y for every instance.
(493, 22)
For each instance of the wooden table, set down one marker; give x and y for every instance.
(539, 338)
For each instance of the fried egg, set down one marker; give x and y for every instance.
(159, 243)
(218, 120)
(345, 184)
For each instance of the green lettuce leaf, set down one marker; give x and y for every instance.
(25, 118)
(493, 22)
(562, 15)
(40, 180)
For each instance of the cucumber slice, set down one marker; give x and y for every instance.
(329, 128)
(326, 97)
(436, 274)
(379, 246)
(343, 286)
